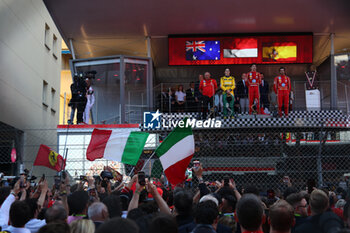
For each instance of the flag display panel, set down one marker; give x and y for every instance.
(240, 49)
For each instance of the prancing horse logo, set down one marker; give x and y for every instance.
(53, 158)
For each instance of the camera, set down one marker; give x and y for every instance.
(106, 174)
(91, 74)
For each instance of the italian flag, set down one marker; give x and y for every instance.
(125, 147)
(175, 153)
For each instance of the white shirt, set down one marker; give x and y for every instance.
(16, 230)
(124, 214)
(35, 224)
(5, 210)
(180, 95)
(32, 225)
(90, 96)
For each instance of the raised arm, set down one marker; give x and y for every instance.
(163, 207)
(44, 188)
(5, 207)
(134, 203)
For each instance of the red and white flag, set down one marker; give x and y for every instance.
(242, 47)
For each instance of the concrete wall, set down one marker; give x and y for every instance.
(28, 58)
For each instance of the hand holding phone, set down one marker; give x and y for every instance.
(226, 181)
(141, 178)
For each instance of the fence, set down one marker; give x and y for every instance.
(259, 155)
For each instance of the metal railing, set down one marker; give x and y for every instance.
(298, 87)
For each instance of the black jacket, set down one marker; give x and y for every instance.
(78, 89)
(327, 222)
(190, 96)
(298, 222)
(264, 92)
(197, 93)
(242, 90)
(185, 223)
(203, 228)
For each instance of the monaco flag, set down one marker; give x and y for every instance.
(242, 47)
(175, 153)
(48, 158)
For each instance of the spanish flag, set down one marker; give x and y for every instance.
(279, 52)
(48, 158)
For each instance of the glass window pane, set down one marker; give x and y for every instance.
(136, 72)
(106, 85)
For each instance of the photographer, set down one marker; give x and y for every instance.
(78, 101)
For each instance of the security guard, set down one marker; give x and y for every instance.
(227, 84)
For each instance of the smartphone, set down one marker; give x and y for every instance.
(43, 177)
(22, 183)
(311, 183)
(64, 175)
(226, 181)
(141, 178)
(57, 182)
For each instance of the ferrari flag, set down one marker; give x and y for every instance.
(48, 158)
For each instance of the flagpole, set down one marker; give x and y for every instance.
(64, 159)
(148, 160)
(65, 150)
(144, 165)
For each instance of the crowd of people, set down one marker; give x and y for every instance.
(251, 94)
(149, 205)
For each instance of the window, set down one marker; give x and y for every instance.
(47, 36)
(53, 96)
(54, 46)
(45, 87)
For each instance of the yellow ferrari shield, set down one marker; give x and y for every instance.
(53, 158)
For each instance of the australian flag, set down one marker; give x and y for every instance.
(203, 50)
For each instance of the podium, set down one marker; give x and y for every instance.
(313, 100)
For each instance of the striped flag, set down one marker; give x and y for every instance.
(279, 52)
(242, 47)
(175, 153)
(125, 147)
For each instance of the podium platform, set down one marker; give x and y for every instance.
(327, 119)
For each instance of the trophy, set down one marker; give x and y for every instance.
(310, 76)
